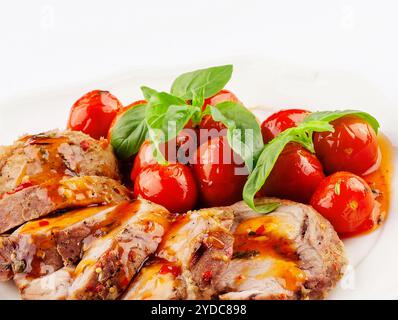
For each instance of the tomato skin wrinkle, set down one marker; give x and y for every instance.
(352, 147)
(172, 186)
(93, 113)
(280, 121)
(295, 176)
(216, 169)
(350, 210)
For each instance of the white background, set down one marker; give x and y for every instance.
(320, 54)
(56, 43)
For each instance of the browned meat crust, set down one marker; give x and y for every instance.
(38, 158)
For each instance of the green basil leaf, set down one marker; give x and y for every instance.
(244, 133)
(129, 132)
(198, 97)
(166, 115)
(330, 116)
(210, 80)
(270, 154)
(148, 92)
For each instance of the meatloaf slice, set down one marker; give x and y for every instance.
(34, 159)
(41, 247)
(109, 260)
(291, 253)
(69, 192)
(196, 248)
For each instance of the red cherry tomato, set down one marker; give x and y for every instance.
(295, 176)
(172, 186)
(222, 96)
(220, 172)
(143, 159)
(346, 200)
(93, 113)
(179, 150)
(280, 121)
(120, 113)
(351, 147)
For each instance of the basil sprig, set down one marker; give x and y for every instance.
(244, 133)
(166, 115)
(302, 134)
(129, 132)
(203, 82)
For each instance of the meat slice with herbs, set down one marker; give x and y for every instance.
(193, 253)
(40, 174)
(43, 246)
(291, 253)
(109, 259)
(70, 192)
(34, 159)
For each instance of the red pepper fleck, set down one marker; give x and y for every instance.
(99, 288)
(207, 275)
(124, 282)
(43, 223)
(84, 145)
(260, 230)
(21, 187)
(168, 268)
(132, 255)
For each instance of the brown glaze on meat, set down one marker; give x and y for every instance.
(292, 253)
(120, 240)
(36, 159)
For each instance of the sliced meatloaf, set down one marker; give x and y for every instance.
(292, 253)
(35, 159)
(41, 247)
(110, 257)
(196, 248)
(69, 192)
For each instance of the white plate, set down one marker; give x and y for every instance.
(263, 85)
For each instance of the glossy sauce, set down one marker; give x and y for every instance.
(155, 280)
(380, 181)
(52, 166)
(265, 238)
(42, 236)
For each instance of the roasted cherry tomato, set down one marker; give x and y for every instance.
(351, 147)
(93, 113)
(295, 176)
(207, 121)
(179, 150)
(221, 173)
(280, 121)
(346, 200)
(120, 113)
(172, 186)
(143, 159)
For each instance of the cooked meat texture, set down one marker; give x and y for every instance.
(52, 155)
(292, 253)
(159, 280)
(226, 253)
(51, 287)
(41, 247)
(68, 193)
(194, 250)
(109, 261)
(6, 250)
